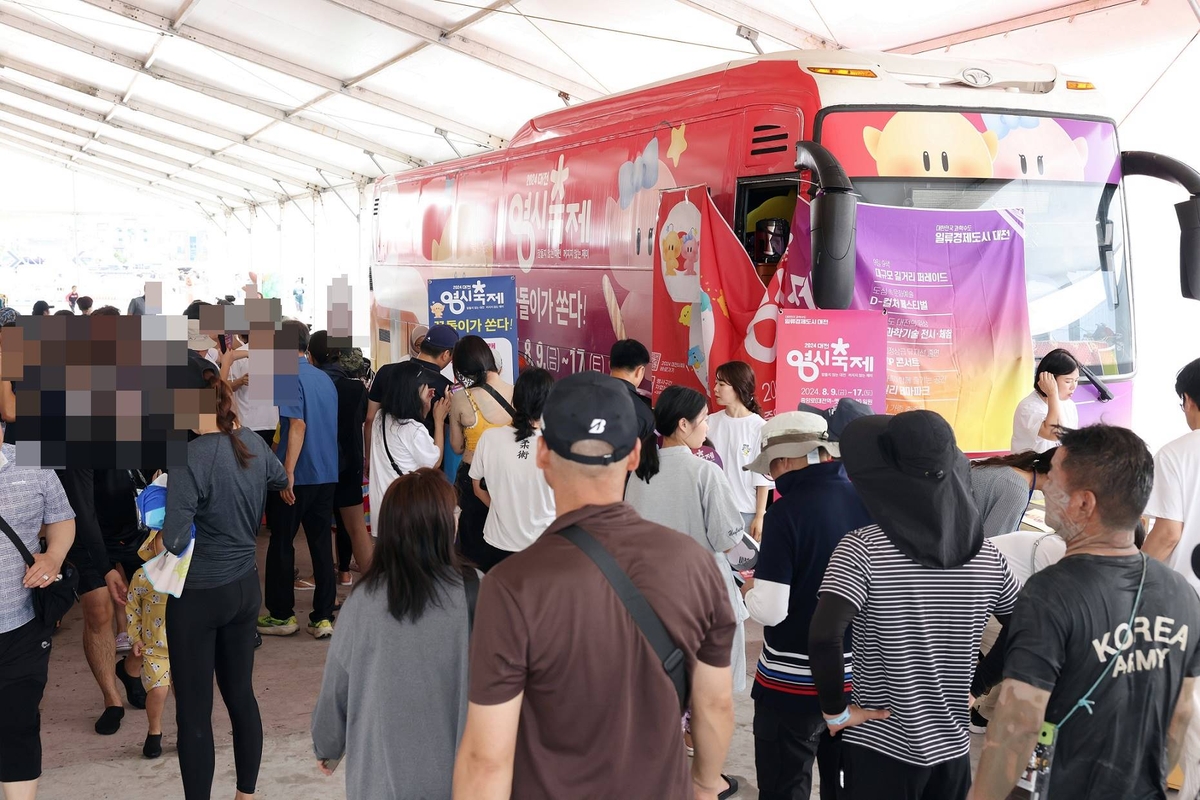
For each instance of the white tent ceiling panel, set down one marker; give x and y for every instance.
(234, 74)
(334, 152)
(10, 97)
(11, 116)
(276, 163)
(465, 89)
(172, 129)
(83, 21)
(196, 104)
(389, 129)
(314, 33)
(442, 13)
(58, 58)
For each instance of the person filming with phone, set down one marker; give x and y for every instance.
(1049, 406)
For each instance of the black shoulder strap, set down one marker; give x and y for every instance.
(639, 608)
(16, 540)
(471, 585)
(387, 450)
(499, 398)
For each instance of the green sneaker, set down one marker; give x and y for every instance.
(269, 626)
(322, 629)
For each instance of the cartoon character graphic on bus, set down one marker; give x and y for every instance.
(690, 252)
(1036, 148)
(920, 144)
(672, 246)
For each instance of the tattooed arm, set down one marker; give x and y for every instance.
(1179, 723)
(1011, 735)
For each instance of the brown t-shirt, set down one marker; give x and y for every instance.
(600, 717)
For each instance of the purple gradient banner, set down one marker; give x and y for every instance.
(953, 286)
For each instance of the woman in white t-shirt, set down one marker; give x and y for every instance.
(735, 434)
(506, 478)
(1049, 406)
(400, 442)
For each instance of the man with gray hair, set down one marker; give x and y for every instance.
(572, 687)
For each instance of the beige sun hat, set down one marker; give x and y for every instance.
(197, 340)
(793, 434)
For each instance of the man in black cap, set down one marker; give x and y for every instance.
(436, 351)
(919, 586)
(42, 309)
(1101, 655)
(567, 696)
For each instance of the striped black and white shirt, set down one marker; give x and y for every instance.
(915, 638)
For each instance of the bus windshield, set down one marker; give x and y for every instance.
(1064, 173)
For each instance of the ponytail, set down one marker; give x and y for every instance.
(227, 419)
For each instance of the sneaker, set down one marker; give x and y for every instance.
(269, 626)
(152, 748)
(321, 629)
(979, 722)
(124, 643)
(133, 686)
(257, 640)
(302, 585)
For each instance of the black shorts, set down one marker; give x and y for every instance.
(90, 578)
(349, 491)
(24, 661)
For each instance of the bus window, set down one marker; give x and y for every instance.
(762, 219)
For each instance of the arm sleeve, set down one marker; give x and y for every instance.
(826, 635)
(1008, 507)
(332, 709)
(716, 647)
(276, 474)
(723, 524)
(767, 601)
(499, 646)
(182, 499)
(424, 449)
(1037, 639)
(1167, 498)
(990, 670)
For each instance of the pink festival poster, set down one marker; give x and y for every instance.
(824, 356)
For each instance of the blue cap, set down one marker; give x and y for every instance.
(442, 337)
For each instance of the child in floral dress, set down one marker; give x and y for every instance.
(146, 615)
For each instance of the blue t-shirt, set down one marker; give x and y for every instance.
(800, 531)
(316, 404)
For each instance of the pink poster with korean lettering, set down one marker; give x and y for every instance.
(824, 356)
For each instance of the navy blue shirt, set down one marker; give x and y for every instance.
(317, 405)
(800, 531)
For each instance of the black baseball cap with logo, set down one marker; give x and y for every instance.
(590, 406)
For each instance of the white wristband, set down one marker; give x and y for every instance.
(840, 719)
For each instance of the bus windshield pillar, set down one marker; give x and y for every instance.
(834, 213)
(1165, 168)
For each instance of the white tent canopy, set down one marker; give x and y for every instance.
(272, 117)
(224, 104)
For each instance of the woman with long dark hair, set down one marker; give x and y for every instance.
(409, 617)
(1003, 487)
(736, 435)
(400, 442)
(481, 401)
(675, 488)
(1049, 406)
(506, 478)
(211, 625)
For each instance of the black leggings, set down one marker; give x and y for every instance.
(212, 630)
(473, 513)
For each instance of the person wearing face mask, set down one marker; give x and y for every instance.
(1104, 640)
(1049, 406)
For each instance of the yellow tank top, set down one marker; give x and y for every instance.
(473, 433)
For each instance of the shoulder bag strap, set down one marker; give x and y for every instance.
(16, 540)
(471, 586)
(387, 450)
(499, 398)
(637, 605)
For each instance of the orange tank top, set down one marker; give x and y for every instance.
(473, 433)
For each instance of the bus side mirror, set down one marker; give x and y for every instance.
(834, 215)
(1188, 213)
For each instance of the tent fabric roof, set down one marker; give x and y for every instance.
(228, 103)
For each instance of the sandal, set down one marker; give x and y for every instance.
(731, 791)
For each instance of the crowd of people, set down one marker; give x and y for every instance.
(557, 576)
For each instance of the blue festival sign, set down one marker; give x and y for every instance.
(480, 306)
